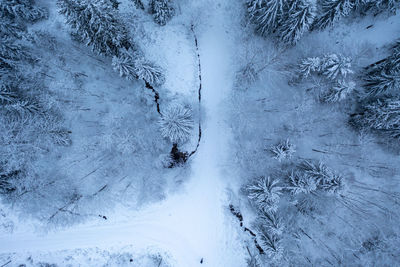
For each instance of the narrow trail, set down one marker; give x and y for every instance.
(156, 95)
(196, 43)
(191, 225)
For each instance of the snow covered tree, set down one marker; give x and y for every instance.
(271, 221)
(149, 72)
(265, 14)
(124, 64)
(264, 193)
(379, 5)
(283, 150)
(6, 181)
(162, 10)
(340, 91)
(22, 10)
(270, 243)
(11, 29)
(332, 11)
(115, 3)
(269, 229)
(383, 82)
(247, 75)
(11, 54)
(329, 73)
(381, 116)
(95, 23)
(133, 65)
(300, 17)
(253, 259)
(13, 58)
(393, 62)
(384, 77)
(29, 127)
(388, 64)
(310, 176)
(14, 14)
(391, 5)
(325, 178)
(138, 4)
(334, 65)
(310, 65)
(176, 123)
(6, 95)
(331, 65)
(301, 183)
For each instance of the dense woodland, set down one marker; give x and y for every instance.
(326, 191)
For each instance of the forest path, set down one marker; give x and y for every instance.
(190, 225)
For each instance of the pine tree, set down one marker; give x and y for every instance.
(10, 54)
(272, 222)
(266, 14)
(133, 65)
(383, 82)
(392, 5)
(13, 60)
(253, 259)
(376, 6)
(310, 176)
(283, 150)
(124, 64)
(115, 3)
(149, 72)
(176, 123)
(247, 75)
(383, 5)
(393, 61)
(22, 10)
(389, 64)
(11, 29)
(309, 66)
(13, 57)
(138, 4)
(384, 77)
(336, 65)
(264, 193)
(300, 17)
(6, 95)
(332, 11)
(340, 91)
(96, 23)
(162, 11)
(381, 116)
(6, 181)
(325, 178)
(270, 243)
(301, 183)
(360, 3)
(26, 125)
(331, 65)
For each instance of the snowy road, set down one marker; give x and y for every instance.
(190, 225)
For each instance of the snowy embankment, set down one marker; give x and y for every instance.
(191, 225)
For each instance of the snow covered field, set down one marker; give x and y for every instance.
(113, 196)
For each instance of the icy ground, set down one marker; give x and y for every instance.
(190, 225)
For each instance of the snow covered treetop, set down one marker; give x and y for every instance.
(176, 123)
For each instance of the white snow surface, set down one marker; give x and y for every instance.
(188, 225)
